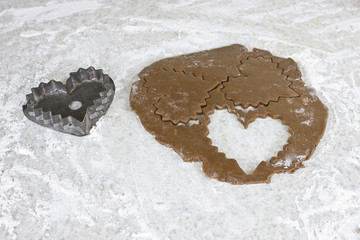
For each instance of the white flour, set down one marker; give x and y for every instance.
(119, 182)
(262, 140)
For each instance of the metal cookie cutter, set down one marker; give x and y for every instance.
(72, 108)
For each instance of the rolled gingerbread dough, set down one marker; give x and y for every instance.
(174, 91)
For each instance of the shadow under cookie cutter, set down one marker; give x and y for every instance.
(74, 107)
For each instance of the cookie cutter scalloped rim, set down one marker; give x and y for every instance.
(64, 120)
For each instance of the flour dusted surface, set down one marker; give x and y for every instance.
(118, 182)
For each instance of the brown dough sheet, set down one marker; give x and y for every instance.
(174, 91)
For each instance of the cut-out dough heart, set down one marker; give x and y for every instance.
(72, 108)
(229, 78)
(262, 140)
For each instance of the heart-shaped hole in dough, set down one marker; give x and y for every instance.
(262, 140)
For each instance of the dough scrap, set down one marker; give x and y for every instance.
(174, 91)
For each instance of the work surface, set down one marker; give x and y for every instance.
(119, 182)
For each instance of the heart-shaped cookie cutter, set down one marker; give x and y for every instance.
(74, 107)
